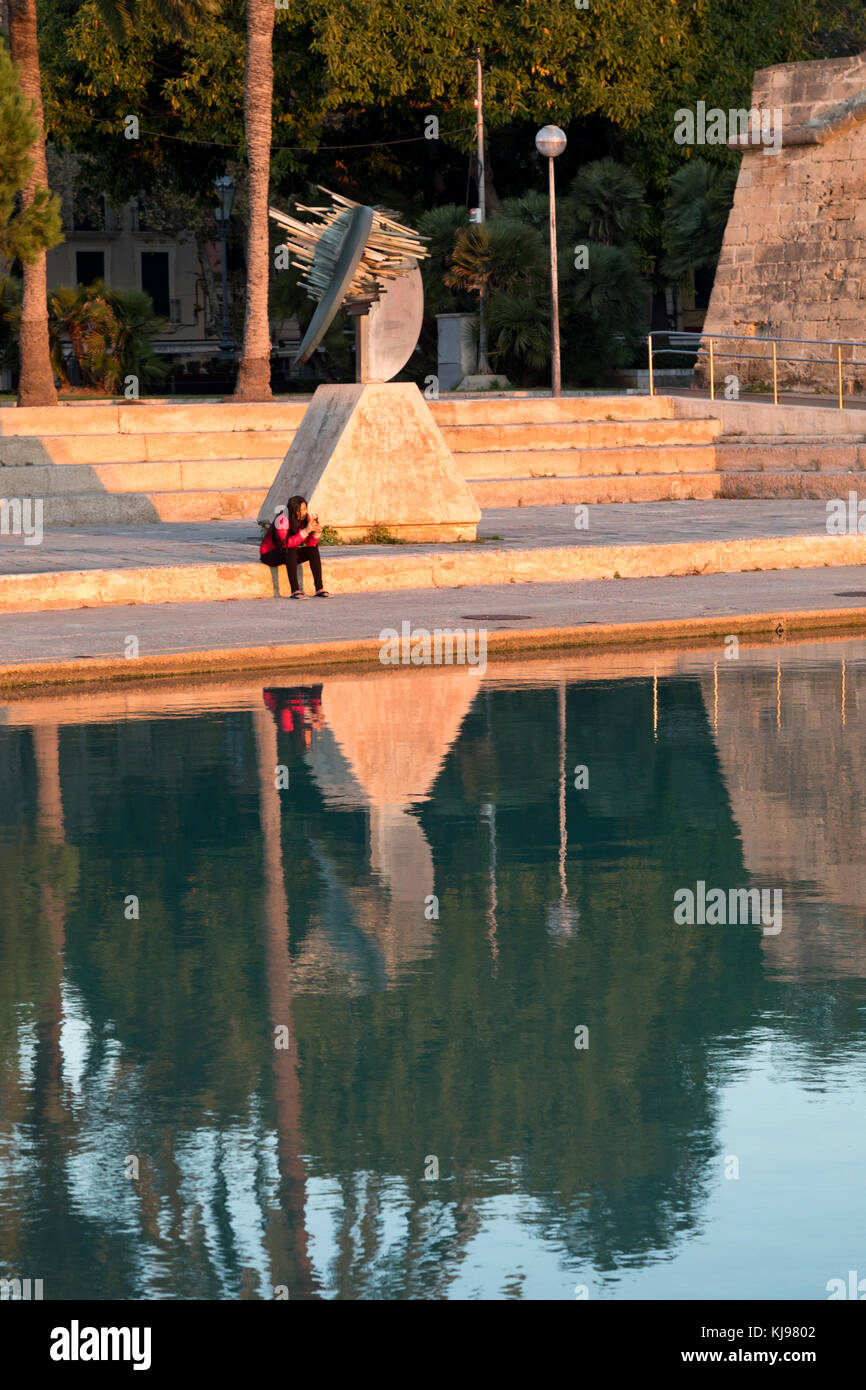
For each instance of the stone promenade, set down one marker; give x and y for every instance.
(212, 561)
(519, 608)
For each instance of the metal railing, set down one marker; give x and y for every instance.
(776, 358)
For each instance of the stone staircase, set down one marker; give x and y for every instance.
(127, 464)
(532, 452)
(104, 465)
(807, 465)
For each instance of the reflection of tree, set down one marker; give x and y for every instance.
(49, 1060)
(38, 872)
(288, 1242)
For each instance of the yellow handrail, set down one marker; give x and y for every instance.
(710, 339)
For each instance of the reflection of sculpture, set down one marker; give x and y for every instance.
(381, 750)
(358, 257)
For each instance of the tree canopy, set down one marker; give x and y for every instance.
(355, 79)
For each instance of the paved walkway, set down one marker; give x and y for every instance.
(508, 528)
(695, 603)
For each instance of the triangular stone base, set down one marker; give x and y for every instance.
(372, 455)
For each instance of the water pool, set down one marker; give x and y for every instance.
(368, 985)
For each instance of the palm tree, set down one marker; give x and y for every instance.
(696, 215)
(36, 382)
(254, 373)
(439, 228)
(495, 255)
(123, 17)
(606, 203)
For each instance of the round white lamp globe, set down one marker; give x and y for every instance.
(550, 141)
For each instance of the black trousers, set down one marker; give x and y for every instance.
(298, 555)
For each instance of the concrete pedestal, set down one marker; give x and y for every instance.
(372, 455)
(457, 350)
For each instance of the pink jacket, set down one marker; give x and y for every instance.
(281, 527)
(277, 536)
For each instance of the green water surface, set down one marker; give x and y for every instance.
(426, 914)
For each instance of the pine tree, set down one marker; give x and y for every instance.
(24, 232)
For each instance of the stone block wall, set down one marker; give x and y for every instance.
(793, 262)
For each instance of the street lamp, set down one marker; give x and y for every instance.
(481, 210)
(225, 188)
(550, 141)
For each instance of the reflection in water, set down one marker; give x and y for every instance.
(430, 1129)
(798, 796)
(290, 1239)
(380, 753)
(562, 916)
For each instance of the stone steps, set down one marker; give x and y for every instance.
(137, 508)
(145, 418)
(141, 448)
(799, 484)
(626, 487)
(519, 410)
(792, 456)
(177, 475)
(131, 463)
(542, 436)
(607, 462)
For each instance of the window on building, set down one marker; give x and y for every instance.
(155, 280)
(89, 266)
(88, 210)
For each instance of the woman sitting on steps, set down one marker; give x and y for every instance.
(291, 539)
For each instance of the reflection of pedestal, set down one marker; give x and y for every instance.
(387, 739)
(372, 455)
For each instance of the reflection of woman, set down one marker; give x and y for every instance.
(292, 539)
(297, 710)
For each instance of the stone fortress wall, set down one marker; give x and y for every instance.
(793, 261)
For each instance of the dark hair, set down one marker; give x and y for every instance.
(295, 523)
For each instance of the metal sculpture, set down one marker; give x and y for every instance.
(366, 261)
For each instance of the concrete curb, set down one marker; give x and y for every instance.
(768, 626)
(445, 568)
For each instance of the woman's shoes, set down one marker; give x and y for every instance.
(298, 594)
(322, 593)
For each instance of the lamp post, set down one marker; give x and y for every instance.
(483, 364)
(225, 188)
(550, 141)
